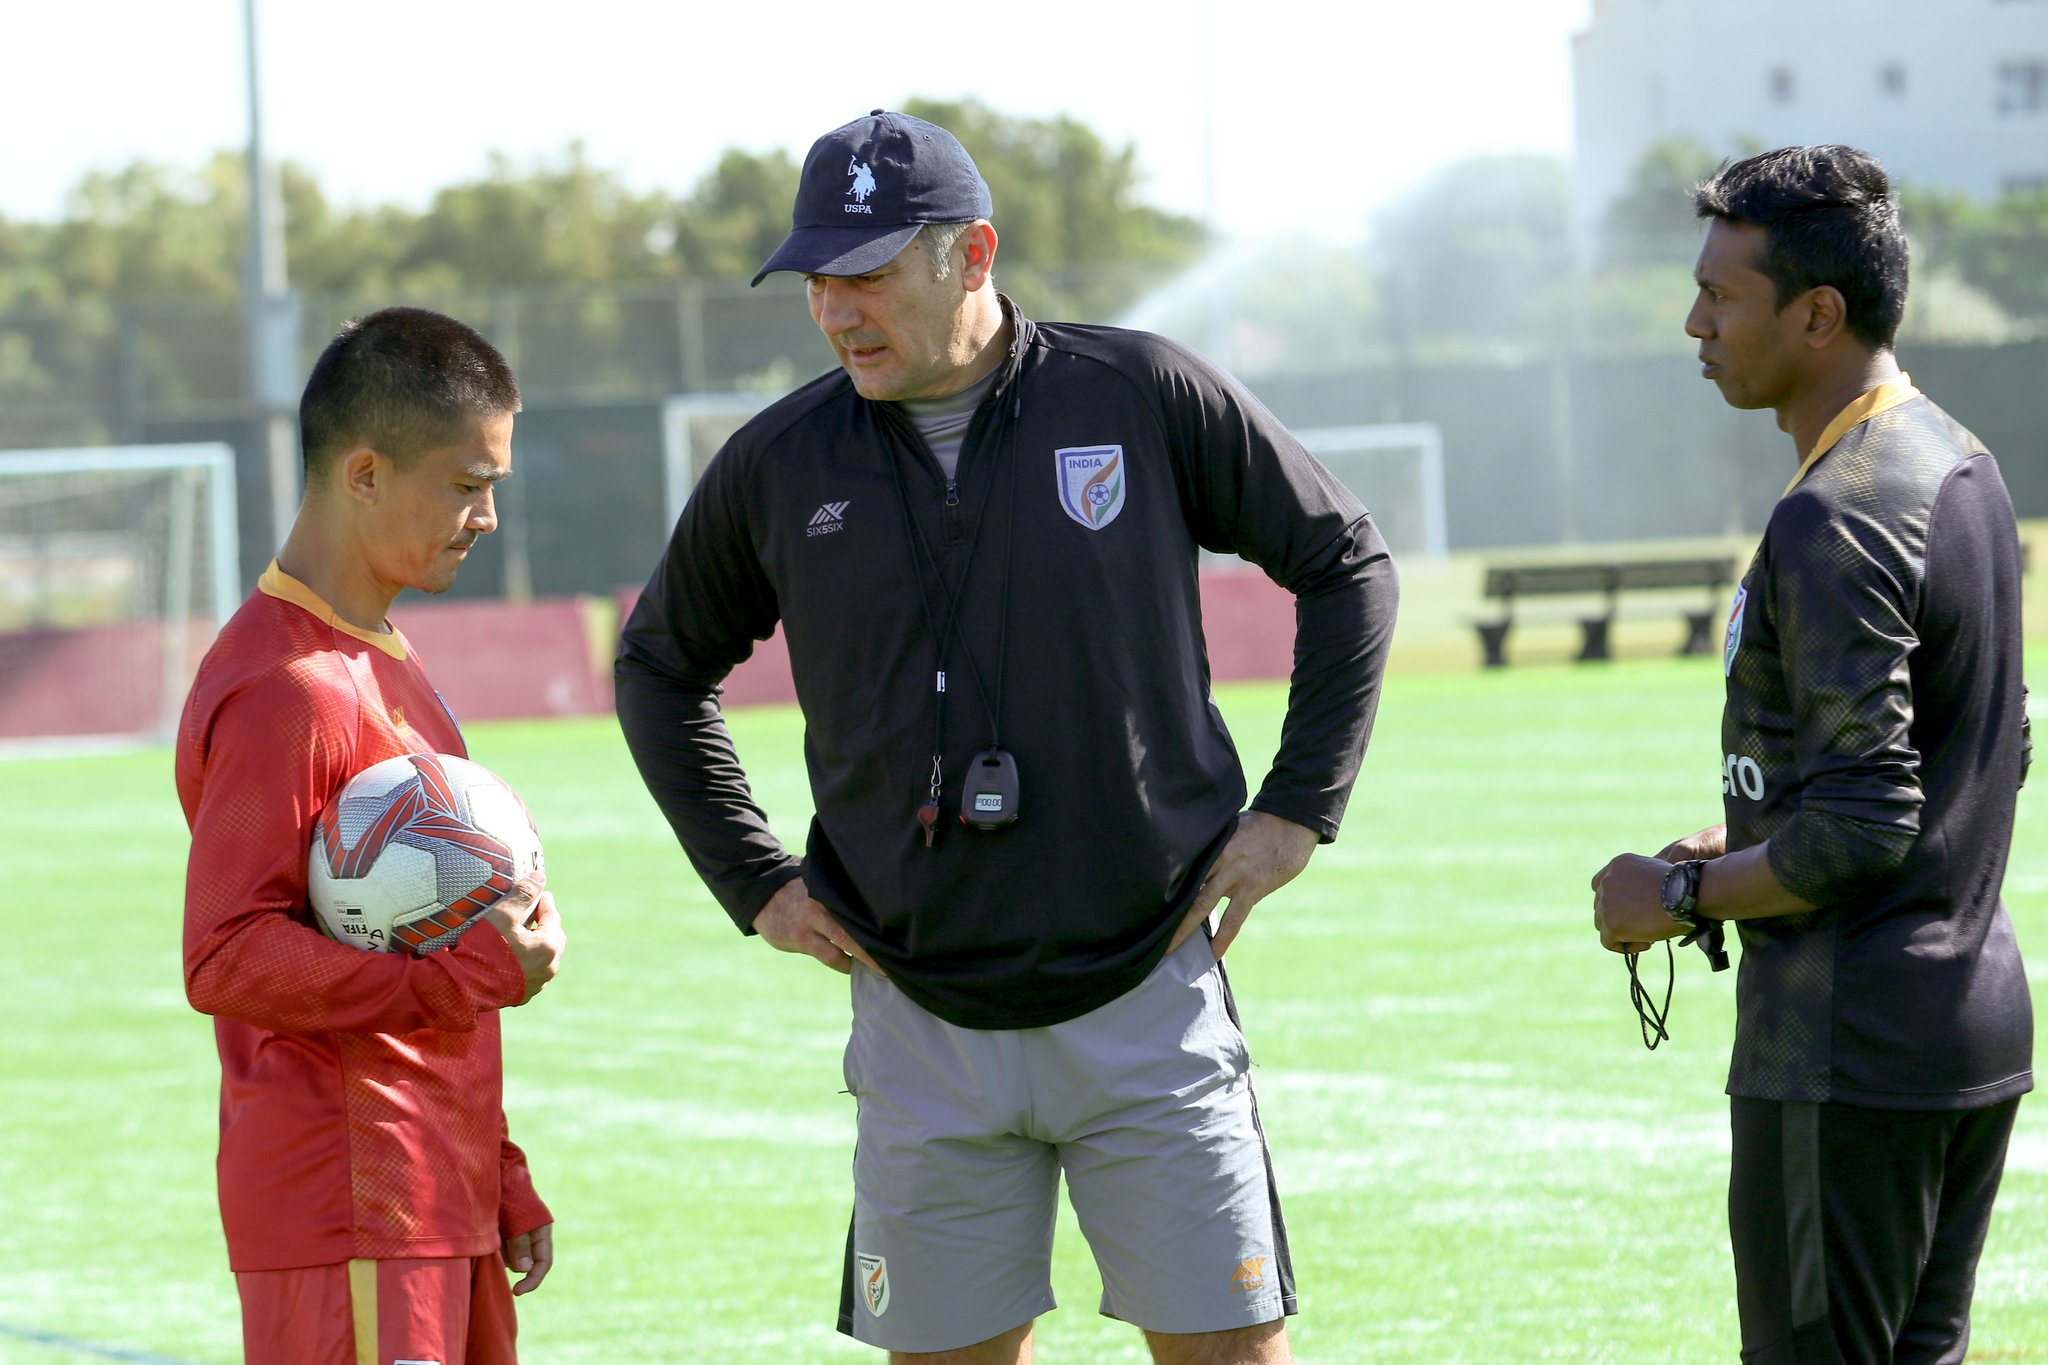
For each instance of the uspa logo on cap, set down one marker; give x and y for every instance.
(1091, 481)
(863, 186)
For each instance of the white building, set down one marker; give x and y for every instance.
(1949, 94)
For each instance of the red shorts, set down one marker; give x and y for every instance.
(442, 1311)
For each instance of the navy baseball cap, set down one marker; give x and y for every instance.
(866, 190)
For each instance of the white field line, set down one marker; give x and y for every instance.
(95, 1350)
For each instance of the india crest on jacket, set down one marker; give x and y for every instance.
(1091, 482)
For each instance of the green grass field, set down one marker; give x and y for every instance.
(1480, 1162)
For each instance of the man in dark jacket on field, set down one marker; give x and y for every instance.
(980, 537)
(1874, 741)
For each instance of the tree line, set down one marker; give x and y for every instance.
(1477, 263)
(1069, 203)
(1482, 258)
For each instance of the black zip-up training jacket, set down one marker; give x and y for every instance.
(1095, 467)
(1876, 734)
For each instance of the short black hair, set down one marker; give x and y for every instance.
(1829, 218)
(402, 381)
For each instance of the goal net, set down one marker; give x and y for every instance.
(692, 430)
(1397, 470)
(117, 568)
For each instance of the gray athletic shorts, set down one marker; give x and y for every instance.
(1145, 1104)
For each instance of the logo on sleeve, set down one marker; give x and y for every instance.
(1742, 775)
(1734, 638)
(874, 1282)
(1250, 1275)
(1091, 483)
(828, 518)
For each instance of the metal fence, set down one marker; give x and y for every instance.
(1600, 440)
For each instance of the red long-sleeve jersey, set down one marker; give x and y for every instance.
(360, 1092)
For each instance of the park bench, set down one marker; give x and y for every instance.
(1607, 580)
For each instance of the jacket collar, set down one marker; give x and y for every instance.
(1023, 331)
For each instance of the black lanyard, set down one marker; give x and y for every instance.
(993, 768)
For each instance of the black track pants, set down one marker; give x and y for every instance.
(1856, 1231)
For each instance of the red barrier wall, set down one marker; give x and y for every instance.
(500, 660)
(503, 660)
(1247, 618)
(94, 680)
(762, 679)
(1248, 621)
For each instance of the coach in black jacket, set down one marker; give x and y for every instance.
(980, 537)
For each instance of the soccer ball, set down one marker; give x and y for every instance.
(412, 850)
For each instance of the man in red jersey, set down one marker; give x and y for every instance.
(371, 1196)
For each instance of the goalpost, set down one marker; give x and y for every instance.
(118, 565)
(1397, 470)
(693, 427)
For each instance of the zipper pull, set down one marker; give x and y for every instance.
(952, 493)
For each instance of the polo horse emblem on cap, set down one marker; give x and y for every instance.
(863, 180)
(1091, 483)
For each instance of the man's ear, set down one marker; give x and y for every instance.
(1827, 315)
(364, 474)
(977, 254)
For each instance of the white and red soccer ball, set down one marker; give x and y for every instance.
(411, 851)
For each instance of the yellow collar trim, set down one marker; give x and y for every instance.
(281, 585)
(1883, 398)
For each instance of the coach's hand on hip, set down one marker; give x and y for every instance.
(1263, 855)
(1628, 904)
(794, 923)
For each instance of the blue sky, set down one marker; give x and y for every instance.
(1314, 119)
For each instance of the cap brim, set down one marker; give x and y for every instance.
(838, 250)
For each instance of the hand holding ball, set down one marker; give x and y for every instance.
(412, 850)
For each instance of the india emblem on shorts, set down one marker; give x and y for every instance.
(1734, 640)
(874, 1282)
(1091, 483)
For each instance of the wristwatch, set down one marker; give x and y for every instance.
(1681, 894)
